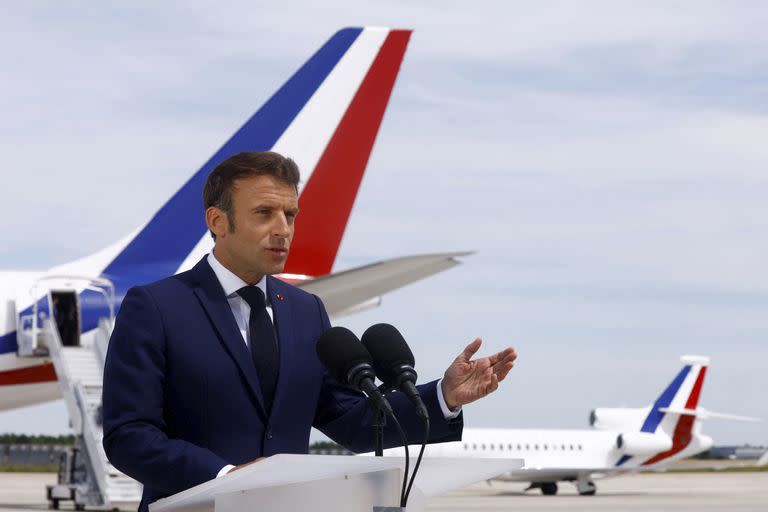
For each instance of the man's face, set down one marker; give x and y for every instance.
(263, 210)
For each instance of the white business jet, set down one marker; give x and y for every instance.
(621, 439)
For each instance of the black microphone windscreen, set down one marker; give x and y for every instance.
(388, 349)
(339, 350)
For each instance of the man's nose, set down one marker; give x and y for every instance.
(281, 227)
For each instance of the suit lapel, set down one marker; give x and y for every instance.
(212, 298)
(282, 315)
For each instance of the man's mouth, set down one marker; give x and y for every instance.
(278, 250)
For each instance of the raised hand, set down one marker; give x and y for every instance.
(467, 380)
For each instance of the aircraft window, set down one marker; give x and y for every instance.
(545, 447)
(483, 446)
(579, 447)
(474, 447)
(562, 447)
(519, 447)
(527, 447)
(571, 447)
(466, 446)
(535, 447)
(493, 446)
(509, 446)
(554, 447)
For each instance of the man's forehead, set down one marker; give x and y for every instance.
(266, 187)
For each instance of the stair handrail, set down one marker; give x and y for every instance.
(65, 382)
(96, 456)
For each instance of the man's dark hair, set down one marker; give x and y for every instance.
(220, 183)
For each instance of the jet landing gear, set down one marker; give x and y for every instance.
(547, 488)
(586, 487)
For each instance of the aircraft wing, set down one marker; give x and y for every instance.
(355, 289)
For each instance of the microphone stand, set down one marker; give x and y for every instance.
(379, 422)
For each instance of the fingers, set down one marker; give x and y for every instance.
(503, 362)
(508, 354)
(492, 386)
(471, 349)
(501, 371)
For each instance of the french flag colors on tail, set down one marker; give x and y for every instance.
(334, 163)
(673, 412)
(326, 118)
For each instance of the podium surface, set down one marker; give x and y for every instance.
(337, 483)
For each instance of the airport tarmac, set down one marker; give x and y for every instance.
(23, 492)
(648, 492)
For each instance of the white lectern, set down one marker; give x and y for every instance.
(333, 483)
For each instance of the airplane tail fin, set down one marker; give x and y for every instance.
(662, 427)
(682, 393)
(325, 117)
(672, 425)
(336, 171)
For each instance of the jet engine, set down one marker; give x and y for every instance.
(621, 419)
(643, 443)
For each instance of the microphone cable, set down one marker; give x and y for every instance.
(418, 460)
(404, 438)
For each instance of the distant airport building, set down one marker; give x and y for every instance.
(735, 452)
(25, 455)
(21, 455)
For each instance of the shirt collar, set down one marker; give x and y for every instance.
(229, 281)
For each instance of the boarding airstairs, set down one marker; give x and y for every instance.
(90, 479)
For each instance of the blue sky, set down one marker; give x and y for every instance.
(605, 160)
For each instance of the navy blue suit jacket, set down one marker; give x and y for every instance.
(182, 398)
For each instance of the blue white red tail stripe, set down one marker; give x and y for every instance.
(655, 415)
(164, 243)
(684, 429)
(309, 138)
(682, 393)
(314, 249)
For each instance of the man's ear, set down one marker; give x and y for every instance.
(217, 221)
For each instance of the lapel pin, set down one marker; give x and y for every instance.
(280, 296)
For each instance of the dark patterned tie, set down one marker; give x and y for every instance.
(264, 348)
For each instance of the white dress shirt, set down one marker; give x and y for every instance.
(240, 308)
(242, 313)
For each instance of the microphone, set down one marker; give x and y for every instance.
(349, 363)
(393, 362)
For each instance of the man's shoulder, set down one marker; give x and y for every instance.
(277, 287)
(180, 283)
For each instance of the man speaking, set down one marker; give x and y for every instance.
(213, 368)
